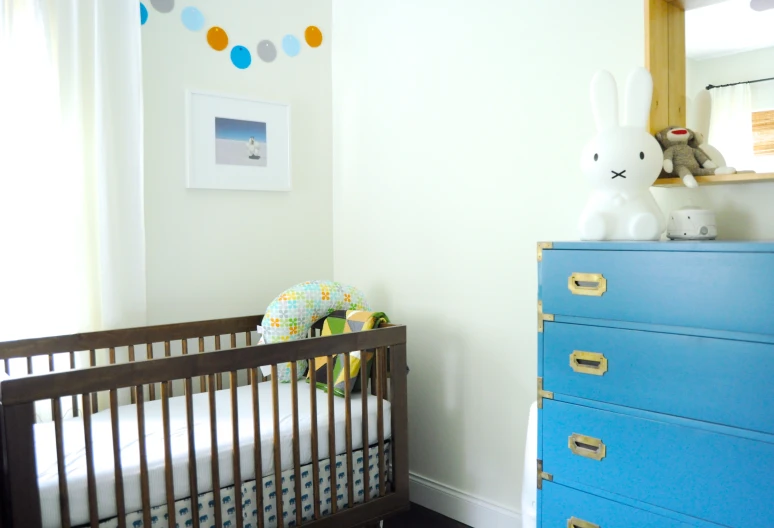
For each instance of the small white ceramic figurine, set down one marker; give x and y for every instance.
(621, 162)
(253, 148)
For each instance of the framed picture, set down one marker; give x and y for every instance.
(236, 143)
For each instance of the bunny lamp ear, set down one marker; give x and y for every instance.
(639, 93)
(604, 100)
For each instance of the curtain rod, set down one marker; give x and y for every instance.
(711, 86)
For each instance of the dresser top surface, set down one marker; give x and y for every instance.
(707, 246)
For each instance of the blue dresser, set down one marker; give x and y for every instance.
(655, 385)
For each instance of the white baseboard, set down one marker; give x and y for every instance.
(460, 506)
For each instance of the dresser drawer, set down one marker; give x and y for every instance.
(563, 507)
(720, 478)
(713, 380)
(716, 291)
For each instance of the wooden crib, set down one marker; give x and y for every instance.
(113, 372)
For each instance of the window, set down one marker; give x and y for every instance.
(763, 132)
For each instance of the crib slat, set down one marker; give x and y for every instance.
(257, 446)
(168, 477)
(248, 342)
(93, 363)
(380, 363)
(117, 469)
(315, 439)
(348, 423)
(296, 449)
(64, 495)
(132, 389)
(152, 386)
(144, 484)
(214, 450)
(7, 366)
(168, 353)
(192, 473)
(75, 398)
(202, 379)
(236, 455)
(51, 362)
(233, 341)
(277, 448)
(29, 365)
(220, 375)
(112, 355)
(89, 454)
(364, 400)
(332, 438)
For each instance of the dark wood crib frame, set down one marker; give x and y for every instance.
(19, 493)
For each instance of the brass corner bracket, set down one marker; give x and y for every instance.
(542, 475)
(542, 316)
(541, 246)
(542, 393)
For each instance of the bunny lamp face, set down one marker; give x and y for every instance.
(625, 158)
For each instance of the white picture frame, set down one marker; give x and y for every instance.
(235, 143)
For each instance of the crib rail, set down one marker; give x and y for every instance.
(18, 397)
(126, 346)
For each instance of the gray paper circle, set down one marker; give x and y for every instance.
(267, 51)
(163, 6)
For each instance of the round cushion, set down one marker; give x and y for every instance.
(294, 311)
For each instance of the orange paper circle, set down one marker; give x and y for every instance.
(313, 36)
(217, 38)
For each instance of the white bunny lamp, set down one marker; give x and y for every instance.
(621, 162)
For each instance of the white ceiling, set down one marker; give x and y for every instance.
(726, 28)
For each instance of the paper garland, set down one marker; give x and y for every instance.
(217, 38)
(193, 19)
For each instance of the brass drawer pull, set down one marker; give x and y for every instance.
(592, 363)
(593, 284)
(574, 522)
(586, 446)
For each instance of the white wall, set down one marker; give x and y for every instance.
(458, 128)
(227, 253)
(744, 211)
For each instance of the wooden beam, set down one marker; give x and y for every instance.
(657, 60)
(665, 59)
(676, 30)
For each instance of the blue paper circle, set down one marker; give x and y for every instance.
(143, 14)
(192, 18)
(241, 57)
(291, 45)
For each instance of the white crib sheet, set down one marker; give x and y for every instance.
(75, 461)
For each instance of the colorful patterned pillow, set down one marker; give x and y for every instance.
(346, 322)
(290, 316)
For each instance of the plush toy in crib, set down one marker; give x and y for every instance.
(621, 162)
(682, 156)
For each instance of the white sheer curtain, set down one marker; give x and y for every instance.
(731, 125)
(71, 189)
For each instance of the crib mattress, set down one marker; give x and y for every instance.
(75, 461)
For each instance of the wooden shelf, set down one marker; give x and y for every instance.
(739, 177)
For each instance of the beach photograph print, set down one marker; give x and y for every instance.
(240, 142)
